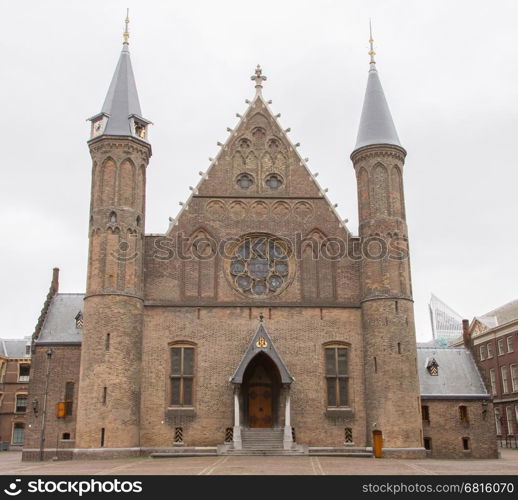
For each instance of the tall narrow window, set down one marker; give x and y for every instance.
(510, 344)
(489, 350)
(463, 414)
(465, 444)
(182, 375)
(427, 443)
(514, 378)
(481, 351)
(69, 398)
(425, 411)
(102, 436)
(105, 395)
(509, 416)
(336, 376)
(107, 342)
(501, 349)
(21, 403)
(492, 378)
(498, 422)
(505, 379)
(18, 433)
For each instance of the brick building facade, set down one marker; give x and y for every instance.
(493, 340)
(257, 320)
(15, 364)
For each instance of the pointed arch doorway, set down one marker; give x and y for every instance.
(261, 392)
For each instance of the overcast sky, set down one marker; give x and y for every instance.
(449, 70)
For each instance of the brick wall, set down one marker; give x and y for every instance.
(446, 429)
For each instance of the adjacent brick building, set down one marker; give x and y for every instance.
(493, 340)
(15, 364)
(256, 321)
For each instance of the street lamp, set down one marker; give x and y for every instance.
(44, 412)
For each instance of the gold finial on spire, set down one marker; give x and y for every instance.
(126, 32)
(259, 78)
(371, 43)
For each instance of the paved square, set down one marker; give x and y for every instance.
(11, 464)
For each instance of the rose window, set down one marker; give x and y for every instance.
(274, 181)
(259, 266)
(244, 181)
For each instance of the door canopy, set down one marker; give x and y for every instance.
(261, 343)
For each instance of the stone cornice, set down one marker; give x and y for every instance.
(109, 144)
(378, 151)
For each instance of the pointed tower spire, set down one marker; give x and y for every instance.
(376, 125)
(121, 114)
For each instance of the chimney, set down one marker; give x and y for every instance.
(54, 286)
(466, 336)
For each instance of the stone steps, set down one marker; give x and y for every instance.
(187, 451)
(262, 440)
(340, 451)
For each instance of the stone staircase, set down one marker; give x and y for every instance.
(264, 441)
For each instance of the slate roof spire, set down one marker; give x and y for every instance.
(121, 114)
(376, 125)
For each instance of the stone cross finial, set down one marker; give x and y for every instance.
(261, 317)
(259, 78)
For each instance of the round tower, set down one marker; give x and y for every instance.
(392, 396)
(109, 389)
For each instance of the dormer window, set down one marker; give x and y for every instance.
(79, 320)
(433, 367)
(98, 125)
(139, 126)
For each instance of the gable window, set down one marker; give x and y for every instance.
(463, 414)
(514, 378)
(69, 398)
(182, 375)
(501, 349)
(510, 344)
(505, 379)
(23, 372)
(337, 377)
(21, 403)
(18, 433)
(489, 350)
(482, 351)
(425, 412)
(492, 378)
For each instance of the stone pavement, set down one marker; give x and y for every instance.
(11, 464)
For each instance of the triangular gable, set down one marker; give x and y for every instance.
(258, 146)
(261, 343)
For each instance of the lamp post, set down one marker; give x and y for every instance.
(44, 412)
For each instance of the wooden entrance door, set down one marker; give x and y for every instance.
(260, 405)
